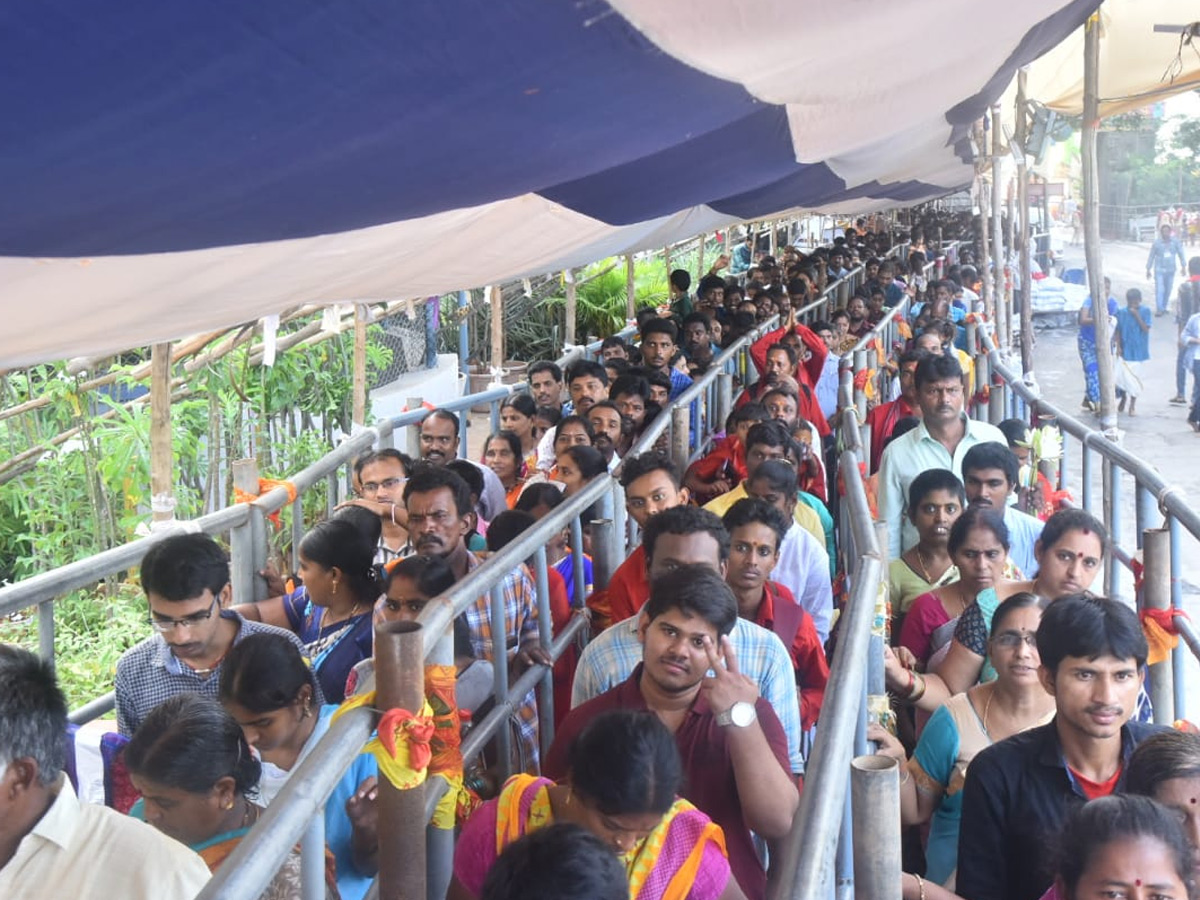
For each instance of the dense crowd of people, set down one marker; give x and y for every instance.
(683, 724)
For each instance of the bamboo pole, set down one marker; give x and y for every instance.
(358, 415)
(162, 494)
(998, 310)
(497, 328)
(1091, 223)
(1023, 248)
(572, 305)
(984, 242)
(700, 259)
(630, 299)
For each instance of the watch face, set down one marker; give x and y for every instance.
(742, 714)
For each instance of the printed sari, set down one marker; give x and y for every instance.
(683, 857)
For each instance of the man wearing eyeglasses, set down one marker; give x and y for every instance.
(379, 479)
(186, 580)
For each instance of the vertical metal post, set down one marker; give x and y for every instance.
(258, 553)
(844, 860)
(297, 531)
(1112, 509)
(243, 538)
(312, 858)
(724, 397)
(576, 544)
(1086, 475)
(619, 537)
(46, 629)
(400, 683)
(1156, 594)
(439, 842)
(1062, 463)
(331, 492)
(875, 800)
(545, 696)
(1147, 510)
(495, 405)
(500, 671)
(680, 439)
(604, 560)
(464, 341)
(1179, 654)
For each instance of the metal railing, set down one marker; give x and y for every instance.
(1156, 504)
(255, 861)
(245, 523)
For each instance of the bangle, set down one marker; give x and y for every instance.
(918, 690)
(912, 680)
(907, 774)
(920, 885)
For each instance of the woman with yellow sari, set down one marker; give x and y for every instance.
(624, 774)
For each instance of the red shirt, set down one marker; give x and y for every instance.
(708, 778)
(727, 458)
(882, 420)
(804, 645)
(629, 587)
(564, 667)
(1094, 789)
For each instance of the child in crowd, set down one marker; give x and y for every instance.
(1132, 339)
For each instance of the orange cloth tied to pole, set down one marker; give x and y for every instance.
(265, 486)
(1162, 634)
(401, 743)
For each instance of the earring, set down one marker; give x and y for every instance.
(335, 585)
(307, 709)
(228, 805)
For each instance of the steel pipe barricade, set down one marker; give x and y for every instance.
(806, 867)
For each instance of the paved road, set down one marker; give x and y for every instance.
(1159, 433)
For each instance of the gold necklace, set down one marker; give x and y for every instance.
(921, 563)
(986, 707)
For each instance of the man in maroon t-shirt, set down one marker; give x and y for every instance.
(734, 750)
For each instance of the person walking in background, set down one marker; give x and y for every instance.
(1188, 304)
(1087, 346)
(1161, 262)
(1133, 348)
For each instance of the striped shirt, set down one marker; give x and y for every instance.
(520, 624)
(613, 655)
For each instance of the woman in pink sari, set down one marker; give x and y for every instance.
(624, 776)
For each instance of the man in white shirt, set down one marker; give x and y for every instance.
(51, 845)
(939, 442)
(827, 384)
(803, 565)
(990, 474)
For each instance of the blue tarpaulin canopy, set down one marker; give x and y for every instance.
(171, 167)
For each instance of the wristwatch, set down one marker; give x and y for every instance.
(740, 715)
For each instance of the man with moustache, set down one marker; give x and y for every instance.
(439, 507)
(439, 444)
(607, 430)
(1019, 792)
(939, 442)
(186, 580)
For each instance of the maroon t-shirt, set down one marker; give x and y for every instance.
(709, 781)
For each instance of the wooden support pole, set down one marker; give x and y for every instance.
(700, 260)
(998, 309)
(1022, 244)
(630, 298)
(1091, 223)
(572, 305)
(359, 404)
(497, 328)
(162, 482)
(985, 224)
